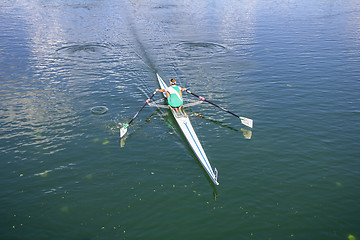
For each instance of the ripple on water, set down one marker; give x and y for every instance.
(99, 110)
(200, 49)
(88, 50)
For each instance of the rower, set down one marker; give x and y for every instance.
(174, 95)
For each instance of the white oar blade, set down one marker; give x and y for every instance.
(123, 131)
(247, 122)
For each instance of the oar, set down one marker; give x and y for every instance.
(123, 130)
(246, 121)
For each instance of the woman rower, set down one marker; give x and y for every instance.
(174, 95)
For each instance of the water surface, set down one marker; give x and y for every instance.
(72, 72)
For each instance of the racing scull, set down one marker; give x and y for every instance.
(184, 123)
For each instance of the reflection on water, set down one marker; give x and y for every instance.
(247, 133)
(38, 118)
(123, 140)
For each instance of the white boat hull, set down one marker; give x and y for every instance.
(185, 125)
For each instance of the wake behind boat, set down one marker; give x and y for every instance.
(185, 125)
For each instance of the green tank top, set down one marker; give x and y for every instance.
(174, 100)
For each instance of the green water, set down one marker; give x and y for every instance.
(73, 72)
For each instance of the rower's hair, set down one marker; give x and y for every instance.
(172, 81)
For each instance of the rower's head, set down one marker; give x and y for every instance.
(172, 81)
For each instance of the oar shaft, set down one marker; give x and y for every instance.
(146, 102)
(248, 122)
(123, 130)
(222, 108)
(204, 99)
